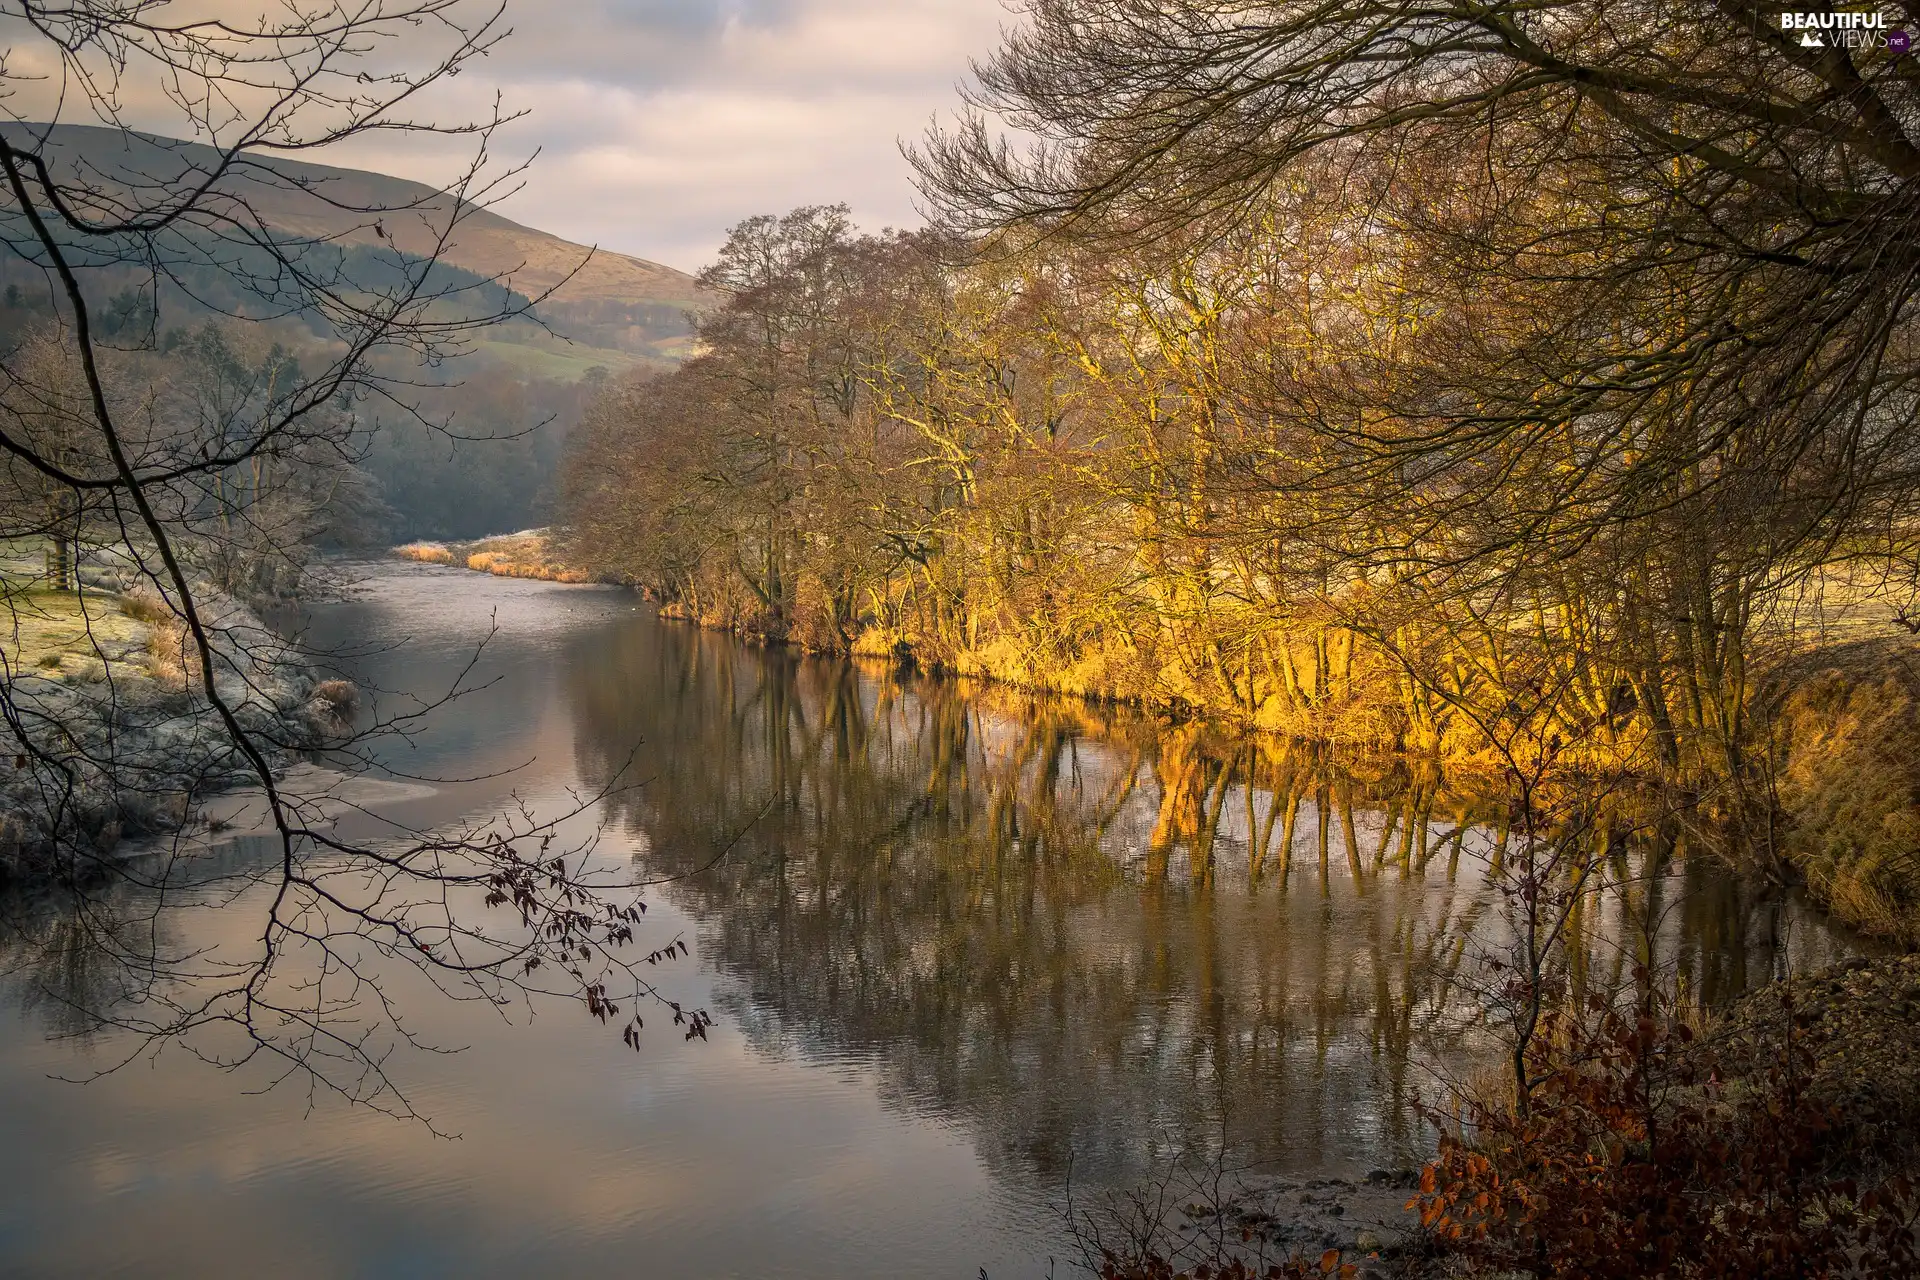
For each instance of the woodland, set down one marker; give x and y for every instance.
(1525, 392)
(1527, 388)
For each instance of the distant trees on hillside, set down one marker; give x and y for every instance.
(493, 469)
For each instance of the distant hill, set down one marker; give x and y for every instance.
(606, 309)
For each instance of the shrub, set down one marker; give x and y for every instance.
(170, 656)
(1636, 1158)
(143, 604)
(341, 696)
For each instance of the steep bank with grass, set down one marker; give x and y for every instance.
(1846, 744)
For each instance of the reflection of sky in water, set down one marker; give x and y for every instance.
(965, 938)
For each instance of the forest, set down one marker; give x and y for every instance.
(1530, 391)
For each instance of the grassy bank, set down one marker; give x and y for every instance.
(64, 635)
(527, 554)
(1845, 729)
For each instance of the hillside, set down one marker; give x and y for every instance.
(606, 308)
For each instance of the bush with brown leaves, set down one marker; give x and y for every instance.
(1636, 1158)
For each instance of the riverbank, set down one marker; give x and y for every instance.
(1786, 1127)
(1845, 722)
(1842, 749)
(526, 554)
(112, 734)
(1201, 1218)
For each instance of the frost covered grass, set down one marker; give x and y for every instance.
(112, 734)
(66, 634)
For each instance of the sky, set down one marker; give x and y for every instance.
(661, 123)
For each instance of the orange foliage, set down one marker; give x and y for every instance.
(1635, 1159)
(513, 556)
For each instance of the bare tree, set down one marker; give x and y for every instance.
(196, 474)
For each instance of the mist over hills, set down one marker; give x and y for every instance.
(507, 405)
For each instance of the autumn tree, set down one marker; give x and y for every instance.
(1657, 257)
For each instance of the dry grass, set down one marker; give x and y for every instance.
(1849, 778)
(522, 555)
(513, 555)
(335, 703)
(504, 565)
(146, 605)
(63, 634)
(169, 657)
(425, 553)
(342, 695)
(1870, 907)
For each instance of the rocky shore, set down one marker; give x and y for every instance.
(1851, 1034)
(1366, 1219)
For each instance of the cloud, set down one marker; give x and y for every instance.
(660, 123)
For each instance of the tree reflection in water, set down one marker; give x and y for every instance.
(1089, 938)
(73, 959)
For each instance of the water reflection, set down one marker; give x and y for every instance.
(961, 940)
(1086, 936)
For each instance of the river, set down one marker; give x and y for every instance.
(964, 948)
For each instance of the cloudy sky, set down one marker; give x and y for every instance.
(660, 123)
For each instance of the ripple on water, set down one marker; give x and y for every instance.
(960, 942)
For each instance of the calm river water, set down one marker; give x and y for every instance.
(971, 943)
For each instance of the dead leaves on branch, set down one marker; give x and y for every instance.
(570, 923)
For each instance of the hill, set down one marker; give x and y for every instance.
(605, 308)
